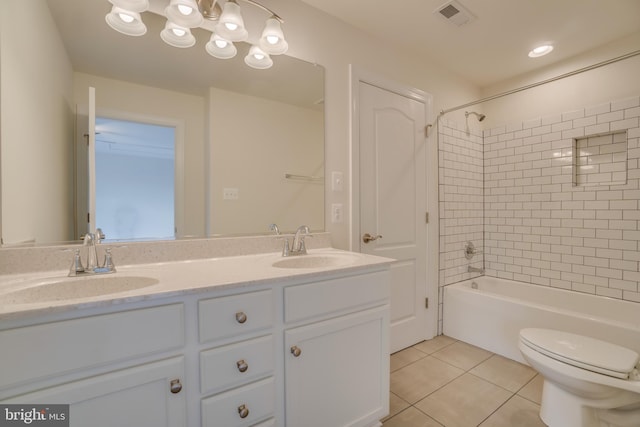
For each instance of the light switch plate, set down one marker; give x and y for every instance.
(336, 213)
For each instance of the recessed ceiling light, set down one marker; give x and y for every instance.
(540, 51)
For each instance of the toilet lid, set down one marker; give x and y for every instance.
(584, 352)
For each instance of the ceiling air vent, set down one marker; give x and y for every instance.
(455, 13)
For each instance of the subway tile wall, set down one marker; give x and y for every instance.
(542, 228)
(460, 200)
(511, 190)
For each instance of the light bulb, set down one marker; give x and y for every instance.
(258, 59)
(230, 25)
(185, 10)
(177, 36)
(184, 13)
(272, 40)
(220, 48)
(125, 21)
(126, 17)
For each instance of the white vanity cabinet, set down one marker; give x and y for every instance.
(237, 370)
(104, 366)
(139, 396)
(296, 350)
(337, 360)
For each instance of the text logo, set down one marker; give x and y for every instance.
(34, 415)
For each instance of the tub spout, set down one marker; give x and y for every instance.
(475, 270)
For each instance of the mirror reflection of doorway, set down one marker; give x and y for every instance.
(135, 179)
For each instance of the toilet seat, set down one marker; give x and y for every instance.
(582, 352)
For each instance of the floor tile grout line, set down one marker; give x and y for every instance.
(497, 409)
(464, 371)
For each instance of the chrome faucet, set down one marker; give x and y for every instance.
(475, 270)
(298, 247)
(274, 228)
(93, 266)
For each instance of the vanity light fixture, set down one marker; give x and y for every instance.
(258, 59)
(131, 5)
(540, 51)
(126, 21)
(177, 36)
(182, 15)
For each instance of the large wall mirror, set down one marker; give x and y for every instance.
(248, 145)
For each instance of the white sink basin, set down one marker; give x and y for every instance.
(75, 288)
(316, 261)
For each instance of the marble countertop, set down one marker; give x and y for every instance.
(174, 278)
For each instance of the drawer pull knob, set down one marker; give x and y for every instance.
(242, 365)
(295, 350)
(241, 317)
(243, 411)
(175, 386)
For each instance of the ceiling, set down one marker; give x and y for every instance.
(494, 46)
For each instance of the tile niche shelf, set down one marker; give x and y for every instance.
(600, 159)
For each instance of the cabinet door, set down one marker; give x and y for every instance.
(134, 397)
(337, 371)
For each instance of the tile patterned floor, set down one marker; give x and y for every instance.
(444, 382)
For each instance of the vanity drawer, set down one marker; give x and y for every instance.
(226, 409)
(224, 367)
(319, 298)
(52, 349)
(235, 315)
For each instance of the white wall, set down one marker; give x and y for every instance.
(320, 38)
(254, 143)
(37, 126)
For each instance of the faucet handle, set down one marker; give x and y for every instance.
(99, 236)
(274, 228)
(88, 239)
(76, 265)
(286, 250)
(108, 261)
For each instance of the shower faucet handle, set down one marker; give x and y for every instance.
(470, 250)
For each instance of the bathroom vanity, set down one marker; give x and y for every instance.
(237, 341)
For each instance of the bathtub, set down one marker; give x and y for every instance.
(491, 316)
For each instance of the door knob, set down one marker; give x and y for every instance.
(295, 350)
(366, 237)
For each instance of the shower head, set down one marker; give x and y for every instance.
(480, 117)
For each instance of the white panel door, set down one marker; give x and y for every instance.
(392, 202)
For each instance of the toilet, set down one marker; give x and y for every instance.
(587, 382)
